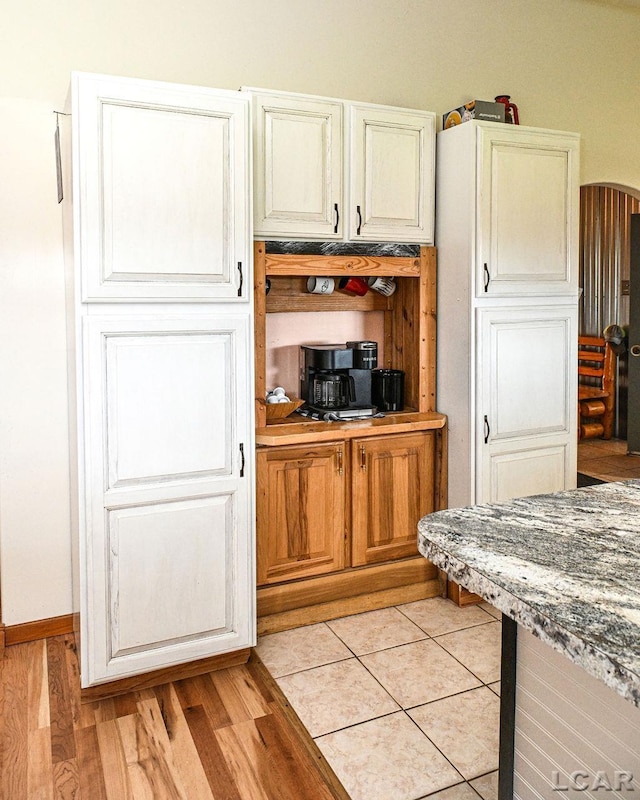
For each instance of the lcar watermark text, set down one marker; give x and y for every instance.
(599, 781)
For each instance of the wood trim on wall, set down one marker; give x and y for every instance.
(38, 629)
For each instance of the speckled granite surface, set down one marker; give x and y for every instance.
(565, 566)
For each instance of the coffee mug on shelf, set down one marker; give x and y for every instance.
(356, 285)
(320, 285)
(385, 286)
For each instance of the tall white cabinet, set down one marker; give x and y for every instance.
(333, 169)
(507, 238)
(158, 232)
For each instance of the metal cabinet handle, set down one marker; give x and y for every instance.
(487, 429)
(241, 278)
(337, 212)
(487, 278)
(242, 460)
(359, 213)
(340, 464)
(363, 457)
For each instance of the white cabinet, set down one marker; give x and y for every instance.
(507, 293)
(527, 184)
(330, 169)
(161, 379)
(525, 418)
(161, 173)
(298, 166)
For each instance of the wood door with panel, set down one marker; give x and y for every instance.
(166, 467)
(298, 165)
(526, 423)
(392, 182)
(162, 184)
(393, 486)
(527, 211)
(301, 521)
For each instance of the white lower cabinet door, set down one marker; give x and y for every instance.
(526, 429)
(167, 528)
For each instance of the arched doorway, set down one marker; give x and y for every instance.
(604, 270)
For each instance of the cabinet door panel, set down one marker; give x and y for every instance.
(167, 544)
(523, 472)
(528, 202)
(169, 568)
(300, 504)
(298, 167)
(527, 372)
(392, 155)
(163, 177)
(393, 487)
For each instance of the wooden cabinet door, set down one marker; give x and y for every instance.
(528, 196)
(393, 486)
(526, 416)
(392, 174)
(298, 166)
(161, 191)
(300, 511)
(166, 476)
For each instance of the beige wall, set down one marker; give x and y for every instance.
(570, 65)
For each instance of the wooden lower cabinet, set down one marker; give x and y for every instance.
(392, 487)
(322, 508)
(300, 511)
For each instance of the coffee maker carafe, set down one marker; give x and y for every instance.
(335, 379)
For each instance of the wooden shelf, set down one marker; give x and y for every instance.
(306, 431)
(276, 264)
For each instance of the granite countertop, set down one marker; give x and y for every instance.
(565, 566)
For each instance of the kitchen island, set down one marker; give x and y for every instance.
(564, 570)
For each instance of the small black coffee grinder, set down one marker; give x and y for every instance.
(335, 379)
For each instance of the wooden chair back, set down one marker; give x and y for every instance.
(596, 387)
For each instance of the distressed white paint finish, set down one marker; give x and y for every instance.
(391, 174)
(162, 175)
(575, 737)
(527, 188)
(526, 408)
(298, 171)
(166, 559)
(507, 353)
(332, 169)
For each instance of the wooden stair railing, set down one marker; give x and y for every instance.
(596, 388)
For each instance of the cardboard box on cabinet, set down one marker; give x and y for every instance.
(474, 109)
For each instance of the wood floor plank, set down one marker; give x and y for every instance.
(66, 782)
(63, 744)
(13, 723)
(116, 776)
(243, 763)
(236, 688)
(39, 769)
(213, 762)
(211, 702)
(185, 753)
(188, 692)
(38, 710)
(90, 770)
(150, 774)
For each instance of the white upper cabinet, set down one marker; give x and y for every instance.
(298, 166)
(329, 169)
(392, 174)
(162, 174)
(527, 184)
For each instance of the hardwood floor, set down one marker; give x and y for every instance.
(226, 735)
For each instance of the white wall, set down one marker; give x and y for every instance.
(569, 65)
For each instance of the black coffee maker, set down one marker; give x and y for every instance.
(335, 379)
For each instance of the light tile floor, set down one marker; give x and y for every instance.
(607, 460)
(403, 702)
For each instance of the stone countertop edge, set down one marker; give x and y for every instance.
(593, 660)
